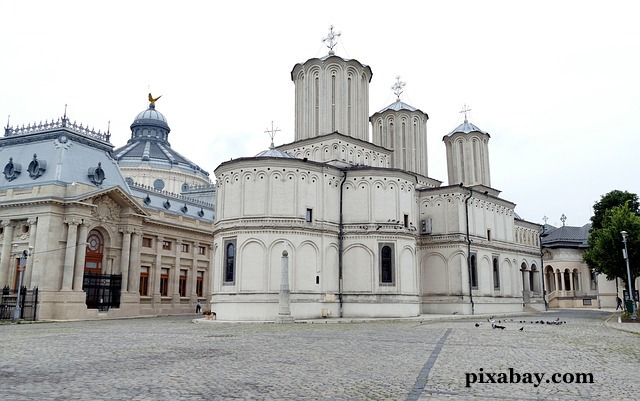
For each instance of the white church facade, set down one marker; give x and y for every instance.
(367, 231)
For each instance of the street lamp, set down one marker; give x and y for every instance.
(626, 258)
(22, 266)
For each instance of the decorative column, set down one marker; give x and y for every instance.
(81, 253)
(70, 254)
(124, 256)
(558, 279)
(571, 283)
(134, 262)
(32, 243)
(210, 274)
(284, 307)
(6, 252)
(176, 272)
(158, 267)
(194, 270)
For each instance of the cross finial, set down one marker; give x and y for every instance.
(465, 110)
(8, 119)
(563, 218)
(272, 134)
(398, 87)
(331, 39)
(545, 218)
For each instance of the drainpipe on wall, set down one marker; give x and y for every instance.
(340, 242)
(466, 207)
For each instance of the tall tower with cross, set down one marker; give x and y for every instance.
(468, 154)
(331, 95)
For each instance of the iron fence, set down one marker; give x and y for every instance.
(28, 303)
(103, 290)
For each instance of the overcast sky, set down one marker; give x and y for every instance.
(555, 83)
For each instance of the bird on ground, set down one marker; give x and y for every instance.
(522, 328)
(495, 326)
(152, 99)
(477, 324)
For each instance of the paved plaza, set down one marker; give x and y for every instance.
(173, 358)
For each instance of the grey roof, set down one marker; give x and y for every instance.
(273, 152)
(63, 154)
(566, 237)
(465, 128)
(149, 144)
(173, 203)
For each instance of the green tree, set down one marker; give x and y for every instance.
(608, 201)
(605, 243)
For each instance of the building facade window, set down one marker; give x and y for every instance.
(474, 271)
(144, 281)
(147, 242)
(229, 261)
(94, 253)
(200, 284)
(164, 282)
(184, 248)
(387, 264)
(182, 283)
(309, 216)
(202, 250)
(158, 184)
(166, 245)
(496, 273)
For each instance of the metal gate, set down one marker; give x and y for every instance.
(28, 303)
(103, 290)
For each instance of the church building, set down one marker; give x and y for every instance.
(367, 231)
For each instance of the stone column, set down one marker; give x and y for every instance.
(558, 279)
(124, 257)
(70, 254)
(194, 271)
(210, 274)
(32, 243)
(5, 262)
(134, 262)
(571, 283)
(81, 253)
(158, 267)
(284, 304)
(176, 272)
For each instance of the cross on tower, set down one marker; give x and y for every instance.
(272, 134)
(563, 218)
(464, 110)
(545, 218)
(331, 39)
(398, 87)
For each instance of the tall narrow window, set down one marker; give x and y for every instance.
(230, 261)
(474, 272)
(182, 284)
(317, 106)
(309, 217)
(144, 281)
(200, 283)
(333, 103)
(406, 221)
(164, 282)
(496, 273)
(349, 127)
(386, 264)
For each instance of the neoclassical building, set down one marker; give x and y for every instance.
(101, 240)
(367, 231)
(569, 281)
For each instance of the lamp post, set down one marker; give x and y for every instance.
(23, 264)
(626, 258)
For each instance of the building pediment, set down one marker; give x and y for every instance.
(112, 204)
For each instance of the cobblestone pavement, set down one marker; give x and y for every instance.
(171, 358)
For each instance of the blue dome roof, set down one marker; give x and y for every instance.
(150, 117)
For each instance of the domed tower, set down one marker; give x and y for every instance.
(331, 94)
(468, 155)
(148, 158)
(403, 129)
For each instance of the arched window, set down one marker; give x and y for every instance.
(386, 264)
(229, 261)
(94, 253)
(496, 274)
(474, 272)
(567, 280)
